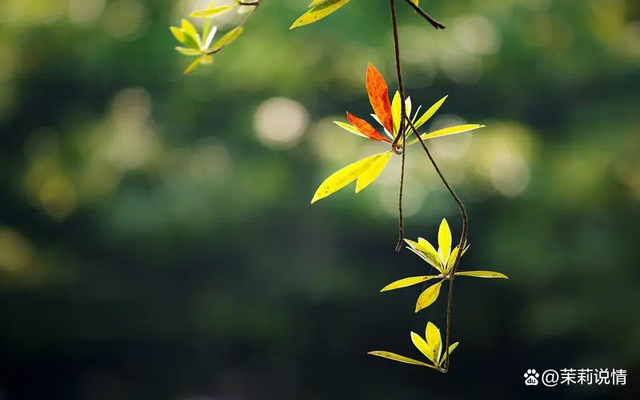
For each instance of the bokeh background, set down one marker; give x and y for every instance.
(156, 236)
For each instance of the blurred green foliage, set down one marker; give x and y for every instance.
(156, 236)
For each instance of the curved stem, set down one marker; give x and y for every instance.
(461, 244)
(403, 117)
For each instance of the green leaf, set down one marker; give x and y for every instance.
(188, 52)
(370, 175)
(210, 12)
(345, 176)
(349, 128)
(427, 297)
(228, 38)
(429, 113)
(482, 274)
(319, 11)
(444, 241)
(452, 130)
(406, 282)
(399, 358)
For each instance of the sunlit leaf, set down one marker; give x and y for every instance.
(319, 11)
(482, 274)
(427, 297)
(447, 131)
(416, 2)
(434, 341)
(349, 128)
(188, 28)
(451, 349)
(209, 39)
(406, 282)
(399, 358)
(177, 33)
(345, 176)
(365, 128)
(210, 12)
(379, 96)
(188, 52)
(421, 345)
(426, 252)
(429, 113)
(444, 241)
(396, 110)
(194, 64)
(315, 3)
(228, 38)
(370, 175)
(452, 258)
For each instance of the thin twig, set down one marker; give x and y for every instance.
(426, 16)
(461, 244)
(403, 116)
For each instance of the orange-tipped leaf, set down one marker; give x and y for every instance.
(365, 128)
(379, 97)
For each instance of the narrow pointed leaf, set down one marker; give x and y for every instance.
(451, 349)
(482, 274)
(370, 175)
(194, 64)
(430, 256)
(427, 297)
(399, 358)
(211, 12)
(406, 282)
(315, 3)
(379, 96)
(349, 128)
(434, 341)
(365, 128)
(188, 28)
(177, 33)
(429, 113)
(228, 37)
(444, 241)
(423, 347)
(452, 259)
(447, 131)
(431, 252)
(209, 38)
(343, 177)
(319, 11)
(188, 52)
(395, 112)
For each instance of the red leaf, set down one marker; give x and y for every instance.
(379, 97)
(365, 128)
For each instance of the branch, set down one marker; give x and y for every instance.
(461, 244)
(426, 16)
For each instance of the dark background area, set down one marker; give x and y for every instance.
(156, 236)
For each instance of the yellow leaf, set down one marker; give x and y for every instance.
(482, 274)
(405, 282)
(319, 11)
(444, 241)
(211, 12)
(370, 175)
(194, 64)
(228, 37)
(416, 2)
(349, 128)
(451, 349)
(396, 111)
(345, 176)
(452, 259)
(434, 341)
(315, 3)
(422, 346)
(429, 113)
(399, 358)
(427, 297)
(428, 253)
(177, 33)
(188, 52)
(452, 130)
(188, 28)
